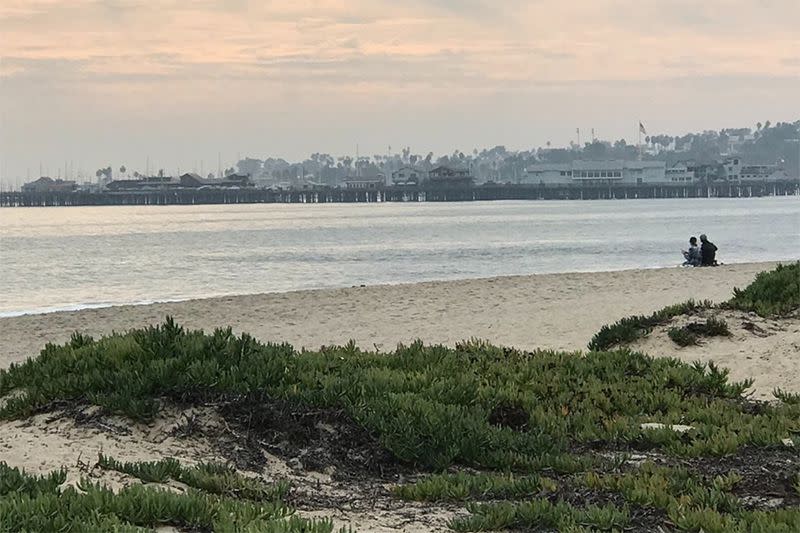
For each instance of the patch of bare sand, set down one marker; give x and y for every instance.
(766, 350)
(73, 438)
(48, 441)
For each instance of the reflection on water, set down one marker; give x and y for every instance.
(74, 256)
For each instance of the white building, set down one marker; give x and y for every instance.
(598, 172)
(680, 173)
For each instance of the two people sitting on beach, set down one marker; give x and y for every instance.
(703, 255)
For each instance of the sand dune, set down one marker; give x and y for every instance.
(766, 350)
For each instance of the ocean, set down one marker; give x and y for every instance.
(76, 257)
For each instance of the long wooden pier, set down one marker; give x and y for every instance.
(422, 193)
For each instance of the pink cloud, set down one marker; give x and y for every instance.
(539, 41)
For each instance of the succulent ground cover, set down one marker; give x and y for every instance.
(40, 503)
(775, 293)
(691, 333)
(521, 440)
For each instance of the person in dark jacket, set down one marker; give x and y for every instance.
(708, 251)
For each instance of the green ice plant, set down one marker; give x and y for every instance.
(214, 478)
(38, 503)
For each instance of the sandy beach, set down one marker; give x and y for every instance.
(552, 311)
(560, 311)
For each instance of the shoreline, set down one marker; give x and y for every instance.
(541, 311)
(78, 307)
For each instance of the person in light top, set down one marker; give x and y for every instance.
(692, 255)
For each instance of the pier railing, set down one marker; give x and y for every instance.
(407, 193)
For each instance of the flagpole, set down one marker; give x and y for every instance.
(639, 145)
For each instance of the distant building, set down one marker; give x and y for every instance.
(681, 172)
(308, 182)
(45, 184)
(708, 172)
(598, 172)
(90, 187)
(450, 177)
(191, 180)
(407, 176)
(148, 183)
(375, 182)
(763, 173)
(732, 169)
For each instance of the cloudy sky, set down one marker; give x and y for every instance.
(93, 82)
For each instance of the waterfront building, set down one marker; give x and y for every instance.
(361, 183)
(190, 180)
(46, 184)
(407, 176)
(598, 173)
(146, 183)
(732, 169)
(445, 176)
(763, 173)
(681, 172)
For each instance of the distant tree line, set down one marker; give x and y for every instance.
(765, 143)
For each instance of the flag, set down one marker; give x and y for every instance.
(641, 128)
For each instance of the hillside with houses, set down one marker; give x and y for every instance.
(766, 153)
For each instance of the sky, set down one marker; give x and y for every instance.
(178, 84)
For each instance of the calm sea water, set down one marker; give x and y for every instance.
(65, 258)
